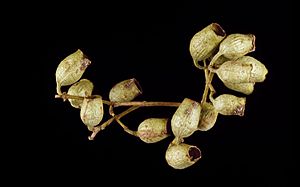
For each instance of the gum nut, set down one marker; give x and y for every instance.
(186, 118)
(205, 42)
(237, 45)
(82, 88)
(227, 104)
(71, 68)
(245, 88)
(258, 72)
(208, 118)
(234, 72)
(153, 130)
(125, 91)
(182, 155)
(91, 112)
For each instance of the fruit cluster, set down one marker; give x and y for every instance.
(226, 58)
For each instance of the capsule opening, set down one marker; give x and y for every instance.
(218, 30)
(194, 153)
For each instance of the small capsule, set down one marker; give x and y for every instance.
(258, 72)
(71, 69)
(153, 130)
(234, 72)
(245, 69)
(186, 118)
(227, 104)
(205, 42)
(182, 155)
(237, 45)
(91, 112)
(245, 88)
(208, 117)
(125, 91)
(82, 88)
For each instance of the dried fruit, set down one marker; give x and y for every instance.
(237, 45)
(91, 112)
(245, 88)
(205, 42)
(182, 155)
(125, 91)
(208, 117)
(153, 130)
(186, 118)
(246, 69)
(82, 88)
(227, 104)
(71, 69)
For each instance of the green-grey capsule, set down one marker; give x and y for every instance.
(71, 69)
(153, 130)
(205, 42)
(237, 45)
(82, 88)
(125, 91)
(258, 72)
(208, 117)
(245, 88)
(186, 118)
(91, 112)
(245, 69)
(182, 155)
(227, 104)
(234, 72)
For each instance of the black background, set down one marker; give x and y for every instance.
(150, 42)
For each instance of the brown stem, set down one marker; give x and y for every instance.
(207, 86)
(65, 96)
(108, 122)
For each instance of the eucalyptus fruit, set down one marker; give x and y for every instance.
(71, 69)
(220, 55)
(182, 155)
(91, 112)
(205, 42)
(227, 104)
(208, 117)
(82, 88)
(125, 91)
(153, 130)
(186, 118)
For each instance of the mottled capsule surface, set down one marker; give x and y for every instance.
(91, 112)
(153, 130)
(71, 69)
(227, 104)
(208, 117)
(186, 118)
(245, 88)
(182, 155)
(82, 88)
(125, 91)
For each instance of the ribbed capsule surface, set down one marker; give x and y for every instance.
(153, 130)
(205, 42)
(181, 156)
(82, 88)
(71, 69)
(208, 117)
(227, 104)
(91, 112)
(125, 91)
(237, 45)
(186, 118)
